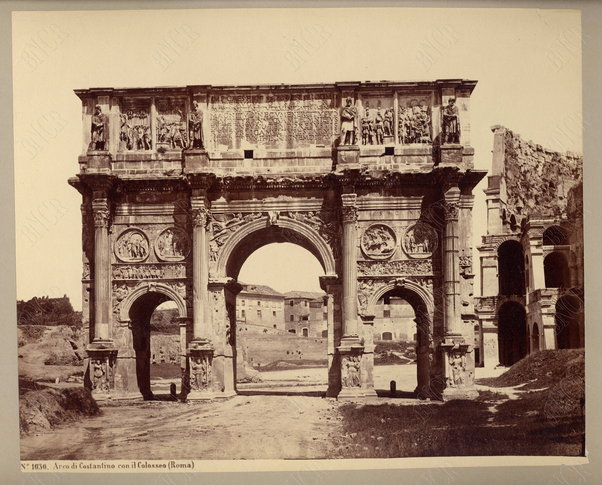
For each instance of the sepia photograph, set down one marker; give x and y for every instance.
(298, 234)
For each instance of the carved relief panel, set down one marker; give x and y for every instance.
(420, 240)
(135, 128)
(173, 244)
(171, 124)
(379, 241)
(377, 120)
(132, 246)
(414, 123)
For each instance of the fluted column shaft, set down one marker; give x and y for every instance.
(349, 266)
(102, 268)
(200, 271)
(451, 263)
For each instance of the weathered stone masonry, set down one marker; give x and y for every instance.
(181, 185)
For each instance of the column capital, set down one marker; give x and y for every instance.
(349, 207)
(200, 216)
(101, 212)
(349, 214)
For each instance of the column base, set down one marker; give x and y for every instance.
(102, 355)
(355, 393)
(459, 380)
(451, 393)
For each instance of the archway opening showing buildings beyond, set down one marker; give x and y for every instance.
(511, 268)
(556, 270)
(281, 337)
(155, 332)
(512, 333)
(569, 323)
(401, 338)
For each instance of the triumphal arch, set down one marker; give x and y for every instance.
(180, 185)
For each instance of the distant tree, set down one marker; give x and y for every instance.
(47, 311)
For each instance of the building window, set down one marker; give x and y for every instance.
(386, 313)
(292, 318)
(324, 333)
(305, 332)
(325, 316)
(259, 314)
(274, 325)
(291, 303)
(242, 302)
(242, 313)
(292, 330)
(258, 303)
(273, 314)
(387, 336)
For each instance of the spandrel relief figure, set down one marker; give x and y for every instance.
(451, 122)
(98, 132)
(348, 123)
(196, 127)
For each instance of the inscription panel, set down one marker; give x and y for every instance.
(276, 121)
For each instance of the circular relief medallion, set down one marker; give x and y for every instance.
(378, 241)
(420, 240)
(173, 244)
(132, 246)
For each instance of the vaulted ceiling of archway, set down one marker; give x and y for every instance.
(258, 239)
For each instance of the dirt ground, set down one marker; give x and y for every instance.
(283, 417)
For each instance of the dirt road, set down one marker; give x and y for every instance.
(243, 427)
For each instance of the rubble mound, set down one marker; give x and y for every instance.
(543, 369)
(43, 409)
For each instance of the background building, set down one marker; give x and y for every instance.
(532, 256)
(394, 320)
(259, 309)
(305, 313)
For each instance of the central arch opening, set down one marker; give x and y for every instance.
(401, 338)
(281, 316)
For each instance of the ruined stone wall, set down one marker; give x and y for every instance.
(538, 180)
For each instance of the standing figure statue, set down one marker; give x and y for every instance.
(451, 123)
(378, 128)
(388, 123)
(196, 127)
(348, 123)
(98, 129)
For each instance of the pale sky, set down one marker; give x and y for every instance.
(527, 64)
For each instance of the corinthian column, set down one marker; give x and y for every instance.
(458, 365)
(201, 328)
(102, 268)
(451, 263)
(349, 266)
